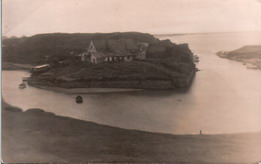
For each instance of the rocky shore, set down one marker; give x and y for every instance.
(36, 136)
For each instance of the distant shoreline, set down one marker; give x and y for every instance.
(250, 56)
(203, 33)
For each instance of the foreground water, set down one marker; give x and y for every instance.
(225, 97)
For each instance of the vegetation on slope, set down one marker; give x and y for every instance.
(164, 59)
(35, 136)
(249, 55)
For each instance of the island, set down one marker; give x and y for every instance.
(248, 55)
(102, 60)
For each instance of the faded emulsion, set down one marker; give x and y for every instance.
(141, 81)
(215, 103)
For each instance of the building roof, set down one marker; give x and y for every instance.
(100, 44)
(128, 44)
(114, 44)
(113, 47)
(99, 54)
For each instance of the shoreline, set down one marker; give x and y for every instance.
(10, 66)
(100, 89)
(34, 135)
(248, 55)
(103, 86)
(86, 90)
(247, 63)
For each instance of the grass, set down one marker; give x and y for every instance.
(37, 136)
(152, 69)
(246, 54)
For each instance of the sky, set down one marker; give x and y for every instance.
(30, 17)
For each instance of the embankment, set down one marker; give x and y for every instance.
(35, 136)
(178, 82)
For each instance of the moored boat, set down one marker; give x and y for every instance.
(22, 85)
(79, 99)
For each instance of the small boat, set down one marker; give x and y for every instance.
(79, 99)
(22, 85)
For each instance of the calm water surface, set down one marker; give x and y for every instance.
(225, 97)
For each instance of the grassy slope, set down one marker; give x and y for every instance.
(78, 74)
(43, 137)
(127, 70)
(246, 54)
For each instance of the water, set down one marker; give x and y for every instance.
(225, 97)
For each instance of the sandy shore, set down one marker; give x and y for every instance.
(38, 136)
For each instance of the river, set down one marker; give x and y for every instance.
(225, 96)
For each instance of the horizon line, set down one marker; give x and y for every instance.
(154, 34)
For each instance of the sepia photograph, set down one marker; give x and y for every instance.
(131, 81)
